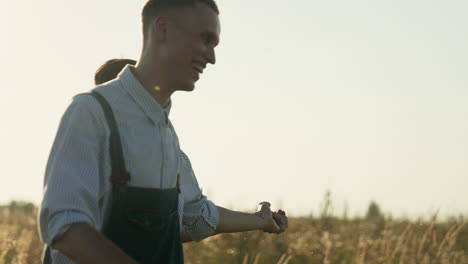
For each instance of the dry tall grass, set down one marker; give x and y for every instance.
(324, 240)
(340, 241)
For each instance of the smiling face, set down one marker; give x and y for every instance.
(191, 36)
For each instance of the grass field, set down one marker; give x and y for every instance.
(308, 240)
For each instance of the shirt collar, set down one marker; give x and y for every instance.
(168, 107)
(146, 102)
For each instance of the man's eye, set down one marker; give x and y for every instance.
(206, 39)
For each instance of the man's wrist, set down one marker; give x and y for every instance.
(260, 220)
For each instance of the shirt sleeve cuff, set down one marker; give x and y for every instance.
(202, 224)
(61, 222)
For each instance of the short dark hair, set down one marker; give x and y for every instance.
(153, 8)
(110, 69)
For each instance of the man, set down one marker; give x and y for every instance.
(91, 213)
(109, 71)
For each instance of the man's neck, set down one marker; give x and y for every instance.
(154, 87)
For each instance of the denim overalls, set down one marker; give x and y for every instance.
(143, 222)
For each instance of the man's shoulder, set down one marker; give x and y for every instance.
(111, 91)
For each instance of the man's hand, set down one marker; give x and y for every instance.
(84, 244)
(264, 219)
(185, 238)
(272, 222)
(281, 219)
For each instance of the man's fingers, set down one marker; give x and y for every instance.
(265, 203)
(281, 221)
(277, 227)
(264, 206)
(281, 217)
(278, 218)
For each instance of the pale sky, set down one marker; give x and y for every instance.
(368, 98)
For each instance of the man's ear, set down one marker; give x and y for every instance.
(159, 28)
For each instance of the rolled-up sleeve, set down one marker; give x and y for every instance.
(200, 215)
(73, 182)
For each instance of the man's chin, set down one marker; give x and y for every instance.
(187, 87)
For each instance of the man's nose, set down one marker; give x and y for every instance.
(211, 56)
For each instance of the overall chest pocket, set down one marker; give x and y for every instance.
(149, 220)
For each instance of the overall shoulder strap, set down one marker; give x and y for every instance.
(119, 172)
(119, 176)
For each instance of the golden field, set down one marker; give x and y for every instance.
(325, 239)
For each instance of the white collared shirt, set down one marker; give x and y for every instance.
(77, 184)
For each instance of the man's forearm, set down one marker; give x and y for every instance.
(84, 244)
(233, 221)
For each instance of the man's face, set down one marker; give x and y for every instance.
(192, 36)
